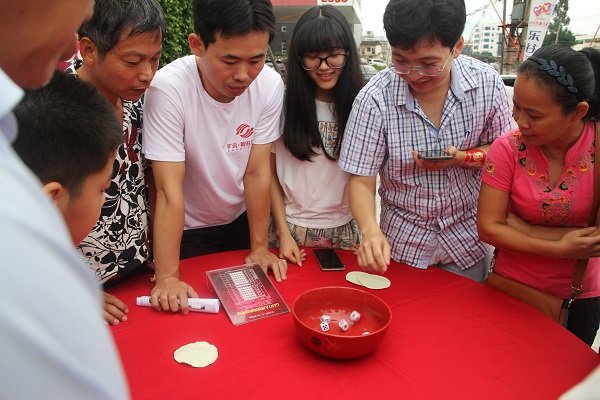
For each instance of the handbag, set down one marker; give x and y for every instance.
(553, 306)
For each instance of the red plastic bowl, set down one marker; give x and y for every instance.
(361, 338)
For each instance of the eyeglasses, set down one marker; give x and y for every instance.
(311, 63)
(423, 70)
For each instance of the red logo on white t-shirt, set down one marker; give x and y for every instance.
(244, 130)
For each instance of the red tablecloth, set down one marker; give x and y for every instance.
(449, 338)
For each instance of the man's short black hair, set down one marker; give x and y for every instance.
(232, 18)
(408, 22)
(67, 131)
(113, 18)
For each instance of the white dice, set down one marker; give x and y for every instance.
(344, 325)
(325, 318)
(354, 316)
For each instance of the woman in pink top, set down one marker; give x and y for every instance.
(536, 197)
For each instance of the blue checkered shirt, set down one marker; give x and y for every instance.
(426, 212)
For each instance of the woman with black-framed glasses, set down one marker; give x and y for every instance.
(309, 199)
(311, 62)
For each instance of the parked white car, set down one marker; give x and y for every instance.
(378, 62)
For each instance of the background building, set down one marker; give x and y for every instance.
(287, 13)
(487, 38)
(587, 40)
(374, 49)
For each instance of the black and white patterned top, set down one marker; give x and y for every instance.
(118, 243)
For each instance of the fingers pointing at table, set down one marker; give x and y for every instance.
(288, 249)
(268, 260)
(115, 310)
(374, 253)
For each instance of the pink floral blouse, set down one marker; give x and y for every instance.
(522, 171)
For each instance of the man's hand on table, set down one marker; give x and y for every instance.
(268, 260)
(115, 311)
(171, 294)
(374, 253)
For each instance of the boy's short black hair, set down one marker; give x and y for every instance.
(113, 18)
(232, 18)
(67, 131)
(408, 22)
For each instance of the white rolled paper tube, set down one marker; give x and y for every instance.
(196, 304)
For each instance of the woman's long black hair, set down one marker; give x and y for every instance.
(320, 29)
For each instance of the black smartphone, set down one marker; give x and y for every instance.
(328, 260)
(435, 155)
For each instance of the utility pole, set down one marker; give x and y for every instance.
(504, 41)
(595, 35)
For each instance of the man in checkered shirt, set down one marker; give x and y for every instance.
(432, 99)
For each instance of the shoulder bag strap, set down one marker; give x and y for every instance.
(582, 264)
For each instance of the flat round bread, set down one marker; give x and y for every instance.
(197, 354)
(353, 277)
(372, 281)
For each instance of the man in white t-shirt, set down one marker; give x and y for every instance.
(210, 119)
(54, 343)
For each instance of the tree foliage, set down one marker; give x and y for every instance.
(485, 56)
(178, 15)
(560, 26)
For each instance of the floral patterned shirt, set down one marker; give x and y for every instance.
(523, 171)
(118, 243)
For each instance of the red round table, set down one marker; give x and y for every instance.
(449, 338)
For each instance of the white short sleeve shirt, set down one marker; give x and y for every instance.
(183, 123)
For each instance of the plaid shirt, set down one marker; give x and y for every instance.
(426, 212)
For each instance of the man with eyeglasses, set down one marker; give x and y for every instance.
(424, 125)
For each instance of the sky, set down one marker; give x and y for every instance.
(584, 14)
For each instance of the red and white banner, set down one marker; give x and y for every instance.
(540, 16)
(335, 2)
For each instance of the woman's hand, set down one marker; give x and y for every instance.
(288, 249)
(579, 244)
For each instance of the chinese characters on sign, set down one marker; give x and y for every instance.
(540, 16)
(247, 293)
(335, 2)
